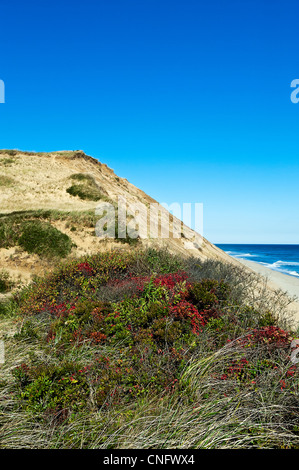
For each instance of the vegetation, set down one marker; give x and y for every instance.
(80, 218)
(7, 161)
(44, 240)
(33, 235)
(10, 152)
(6, 284)
(5, 180)
(69, 153)
(85, 188)
(33, 230)
(142, 349)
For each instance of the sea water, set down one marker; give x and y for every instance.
(282, 258)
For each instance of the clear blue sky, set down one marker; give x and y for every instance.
(189, 100)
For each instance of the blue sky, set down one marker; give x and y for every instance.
(189, 100)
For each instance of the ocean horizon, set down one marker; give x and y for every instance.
(281, 258)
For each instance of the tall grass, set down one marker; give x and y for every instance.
(248, 419)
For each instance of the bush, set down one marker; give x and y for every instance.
(44, 240)
(8, 308)
(18, 225)
(86, 188)
(208, 293)
(6, 284)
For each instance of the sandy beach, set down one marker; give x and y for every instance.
(277, 280)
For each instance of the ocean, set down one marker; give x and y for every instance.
(282, 258)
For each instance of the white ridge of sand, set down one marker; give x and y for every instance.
(277, 280)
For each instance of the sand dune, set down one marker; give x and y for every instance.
(39, 181)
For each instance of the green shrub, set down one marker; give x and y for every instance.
(7, 161)
(45, 387)
(6, 284)
(268, 319)
(86, 188)
(8, 308)
(159, 261)
(8, 234)
(44, 240)
(129, 240)
(208, 293)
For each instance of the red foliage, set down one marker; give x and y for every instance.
(97, 314)
(170, 280)
(77, 336)
(139, 282)
(86, 268)
(269, 335)
(60, 310)
(185, 310)
(207, 314)
(97, 337)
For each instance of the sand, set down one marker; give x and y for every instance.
(277, 280)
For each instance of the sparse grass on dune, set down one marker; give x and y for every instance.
(10, 152)
(68, 153)
(5, 181)
(85, 187)
(142, 349)
(82, 218)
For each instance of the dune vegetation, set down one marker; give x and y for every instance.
(142, 349)
(85, 187)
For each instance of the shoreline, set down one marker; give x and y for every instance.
(277, 280)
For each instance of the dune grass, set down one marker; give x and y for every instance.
(85, 187)
(6, 180)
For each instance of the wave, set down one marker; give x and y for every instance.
(286, 271)
(286, 263)
(267, 259)
(277, 267)
(240, 255)
(294, 273)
